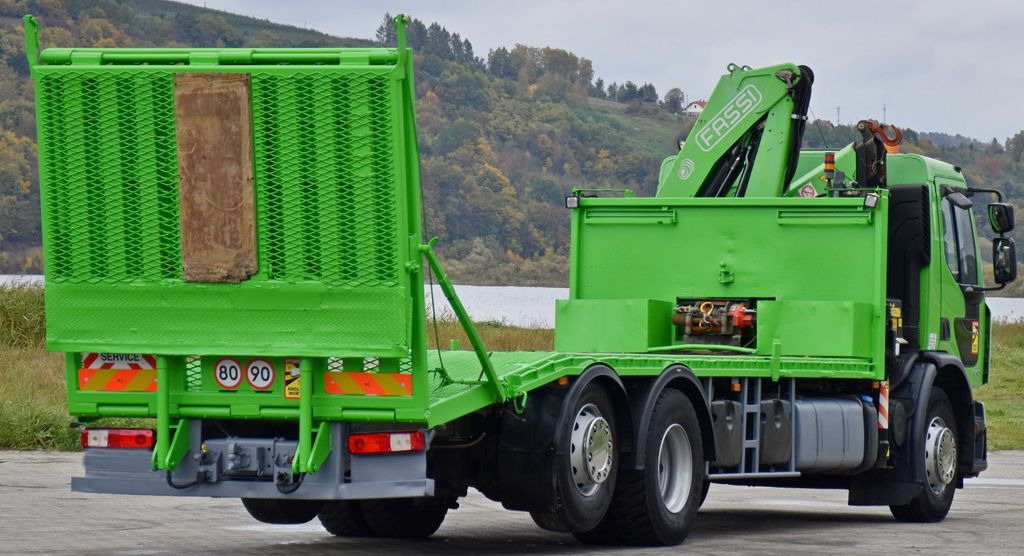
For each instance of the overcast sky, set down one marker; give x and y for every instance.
(940, 65)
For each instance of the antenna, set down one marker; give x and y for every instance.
(837, 115)
(883, 114)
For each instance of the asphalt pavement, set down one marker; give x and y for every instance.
(40, 515)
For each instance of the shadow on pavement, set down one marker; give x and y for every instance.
(720, 524)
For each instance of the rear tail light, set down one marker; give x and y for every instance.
(117, 438)
(386, 442)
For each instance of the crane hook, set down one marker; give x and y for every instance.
(874, 127)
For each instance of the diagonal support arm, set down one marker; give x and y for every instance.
(497, 387)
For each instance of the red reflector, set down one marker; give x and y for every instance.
(385, 442)
(117, 438)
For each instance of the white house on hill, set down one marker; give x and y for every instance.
(694, 109)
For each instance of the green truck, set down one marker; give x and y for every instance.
(233, 248)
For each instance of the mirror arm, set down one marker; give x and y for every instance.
(996, 193)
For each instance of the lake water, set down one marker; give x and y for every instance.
(522, 306)
(531, 306)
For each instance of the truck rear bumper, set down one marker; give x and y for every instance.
(155, 485)
(341, 477)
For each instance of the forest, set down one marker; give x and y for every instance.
(504, 136)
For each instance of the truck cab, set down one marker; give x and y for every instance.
(933, 216)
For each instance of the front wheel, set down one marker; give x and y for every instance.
(658, 505)
(940, 461)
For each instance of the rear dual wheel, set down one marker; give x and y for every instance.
(282, 511)
(658, 504)
(585, 478)
(396, 518)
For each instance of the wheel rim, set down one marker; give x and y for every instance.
(675, 468)
(591, 451)
(940, 456)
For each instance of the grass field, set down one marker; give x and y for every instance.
(1004, 394)
(33, 409)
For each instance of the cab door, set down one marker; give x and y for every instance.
(963, 310)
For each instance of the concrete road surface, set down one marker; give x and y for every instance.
(40, 515)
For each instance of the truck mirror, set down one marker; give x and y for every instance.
(1004, 260)
(959, 200)
(1000, 216)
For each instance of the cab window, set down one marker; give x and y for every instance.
(958, 239)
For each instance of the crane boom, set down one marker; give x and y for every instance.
(746, 142)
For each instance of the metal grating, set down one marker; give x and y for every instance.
(110, 176)
(193, 373)
(325, 176)
(369, 364)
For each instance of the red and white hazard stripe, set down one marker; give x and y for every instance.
(128, 361)
(883, 405)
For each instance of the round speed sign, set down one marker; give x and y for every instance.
(228, 373)
(259, 373)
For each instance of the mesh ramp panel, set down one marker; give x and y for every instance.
(325, 170)
(330, 208)
(110, 176)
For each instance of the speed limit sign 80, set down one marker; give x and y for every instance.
(259, 373)
(228, 373)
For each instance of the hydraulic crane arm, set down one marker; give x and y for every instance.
(747, 140)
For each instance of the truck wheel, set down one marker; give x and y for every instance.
(585, 479)
(657, 505)
(400, 518)
(940, 461)
(282, 512)
(342, 518)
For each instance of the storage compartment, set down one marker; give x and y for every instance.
(816, 328)
(612, 325)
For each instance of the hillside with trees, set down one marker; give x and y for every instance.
(503, 135)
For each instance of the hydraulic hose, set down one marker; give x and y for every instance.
(285, 488)
(802, 102)
(182, 486)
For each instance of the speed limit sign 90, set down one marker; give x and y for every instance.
(228, 373)
(259, 373)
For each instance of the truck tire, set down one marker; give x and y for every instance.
(279, 511)
(342, 518)
(940, 462)
(402, 518)
(584, 479)
(658, 504)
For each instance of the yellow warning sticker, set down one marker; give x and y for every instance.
(975, 338)
(291, 379)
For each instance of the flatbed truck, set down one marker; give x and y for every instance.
(233, 249)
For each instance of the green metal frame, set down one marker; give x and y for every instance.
(817, 267)
(331, 312)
